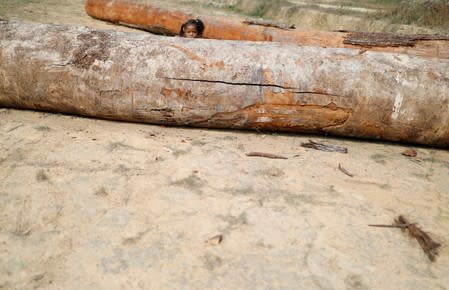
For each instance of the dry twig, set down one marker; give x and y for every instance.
(266, 155)
(345, 171)
(429, 246)
(324, 147)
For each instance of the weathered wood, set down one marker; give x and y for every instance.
(223, 84)
(168, 22)
(368, 39)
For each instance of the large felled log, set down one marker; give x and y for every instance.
(158, 20)
(223, 84)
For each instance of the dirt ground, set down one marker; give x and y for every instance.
(93, 204)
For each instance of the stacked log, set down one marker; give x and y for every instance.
(159, 20)
(224, 84)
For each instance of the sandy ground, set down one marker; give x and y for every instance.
(92, 204)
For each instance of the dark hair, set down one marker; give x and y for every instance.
(196, 22)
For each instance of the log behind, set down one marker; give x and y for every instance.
(159, 20)
(224, 84)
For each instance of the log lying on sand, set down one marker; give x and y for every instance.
(168, 22)
(224, 84)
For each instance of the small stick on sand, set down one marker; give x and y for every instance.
(266, 155)
(392, 226)
(429, 246)
(345, 171)
(324, 147)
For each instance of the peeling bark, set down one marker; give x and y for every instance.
(369, 39)
(168, 22)
(221, 84)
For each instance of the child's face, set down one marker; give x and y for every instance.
(190, 31)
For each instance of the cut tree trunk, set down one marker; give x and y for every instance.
(163, 21)
(224, 84)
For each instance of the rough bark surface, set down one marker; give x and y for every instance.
(368, 39)
(168, 22)
(221, 84)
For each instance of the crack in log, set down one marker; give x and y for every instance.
(168, 110)
(293, 89)
(231, 83)
(165, 112)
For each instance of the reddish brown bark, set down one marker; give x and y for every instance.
(156, 19)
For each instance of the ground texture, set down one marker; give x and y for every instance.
(92, 204)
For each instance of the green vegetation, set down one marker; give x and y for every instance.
(378, 3)
(432, 13)
(429, 13)
(258, 12)
(255, 8)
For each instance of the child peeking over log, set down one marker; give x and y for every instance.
(192, 28)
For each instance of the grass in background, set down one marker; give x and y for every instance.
(432, 13)
(429, 13)
(255, 8)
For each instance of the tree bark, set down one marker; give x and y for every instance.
(222, 84)
(158, 20)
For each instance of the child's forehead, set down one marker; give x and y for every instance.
(191, 25)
